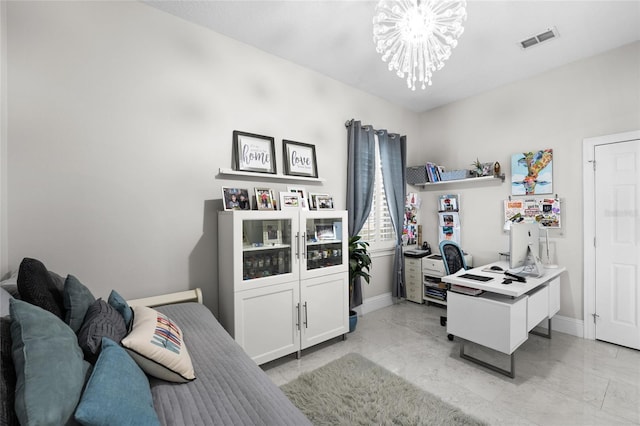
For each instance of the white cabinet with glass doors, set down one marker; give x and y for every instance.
(283, 279)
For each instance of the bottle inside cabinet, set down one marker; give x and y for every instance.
(266, 249)
(323, 242)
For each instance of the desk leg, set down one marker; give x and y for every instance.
(548, 335)
(510, 373)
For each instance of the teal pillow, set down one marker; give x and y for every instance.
(121, 305)
(77, 299)
(117, 392)
(50, 370)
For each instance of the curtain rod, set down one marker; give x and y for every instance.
(350, 122)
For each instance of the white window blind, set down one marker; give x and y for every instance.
(378, 230)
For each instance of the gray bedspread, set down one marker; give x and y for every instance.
(230, 389)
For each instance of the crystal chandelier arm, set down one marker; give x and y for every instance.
(416, 37)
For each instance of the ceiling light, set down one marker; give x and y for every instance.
(417, 36)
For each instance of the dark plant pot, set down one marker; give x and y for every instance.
(353, 320)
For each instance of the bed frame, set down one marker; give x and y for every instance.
(194, 295)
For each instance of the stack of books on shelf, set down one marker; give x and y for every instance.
(435, 292)
(433, 172)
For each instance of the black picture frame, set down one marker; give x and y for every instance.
(299, 159)
(235, 199)
(254, 153)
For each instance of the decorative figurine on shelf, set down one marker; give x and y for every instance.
(496, 169)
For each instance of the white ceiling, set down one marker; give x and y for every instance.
(335, 38)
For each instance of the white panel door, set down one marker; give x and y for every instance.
(617, 193)
(324, 308)
(267, 321)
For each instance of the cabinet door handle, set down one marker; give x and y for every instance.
(298, 316)
(297, 245)
(304, 245)
(306, 316)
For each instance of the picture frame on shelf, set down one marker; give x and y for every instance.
(264, 199)
(324, 202)
(299, 159)
(312, 200)
(304, 196)
(254, 153)
(487, 169)
(325, 231)
(235, 199)
(289, 200)
(271, 232)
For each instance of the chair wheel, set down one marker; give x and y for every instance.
(450, 337)
(443, 321)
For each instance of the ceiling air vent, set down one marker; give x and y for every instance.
(547, 35)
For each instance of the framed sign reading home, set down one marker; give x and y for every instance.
(254, 153)
(299, 159)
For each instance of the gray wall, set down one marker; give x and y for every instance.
(119, 117)
(557, 109)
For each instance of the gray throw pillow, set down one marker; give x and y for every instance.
(101, 320)
(38, 288)
(50, 370)
(77, 299)
(121, 306)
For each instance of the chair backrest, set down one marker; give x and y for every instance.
(452, 257)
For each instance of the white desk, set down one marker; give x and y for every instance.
(501, 317)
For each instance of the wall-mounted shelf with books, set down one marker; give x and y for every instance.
(474, 180)
(224, 173)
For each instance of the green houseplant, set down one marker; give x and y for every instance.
(359, 264)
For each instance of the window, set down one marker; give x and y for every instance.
(378, 230)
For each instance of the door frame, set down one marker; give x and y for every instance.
(589, 223)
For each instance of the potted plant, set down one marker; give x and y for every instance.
(478, 168)
(359, 264)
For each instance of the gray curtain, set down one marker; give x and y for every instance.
(393, 154)
(360, 180)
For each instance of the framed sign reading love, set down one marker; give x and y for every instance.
(254, 153)
(299, 159)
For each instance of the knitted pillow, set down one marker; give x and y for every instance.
(37, 287)
(100, 321)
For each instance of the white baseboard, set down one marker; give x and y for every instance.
(374, 303)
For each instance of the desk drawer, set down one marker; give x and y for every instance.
(490, 320)
(537, 306)
(554, 296)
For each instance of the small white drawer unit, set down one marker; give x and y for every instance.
(413, 277)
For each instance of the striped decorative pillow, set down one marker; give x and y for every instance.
(157, 345)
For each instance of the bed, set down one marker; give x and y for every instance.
(229, 388)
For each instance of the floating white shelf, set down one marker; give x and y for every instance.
(466, 180)
(231, 172)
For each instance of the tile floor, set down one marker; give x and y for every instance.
(562, 381)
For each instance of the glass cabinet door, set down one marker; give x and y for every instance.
(266, 248)
(324, 242)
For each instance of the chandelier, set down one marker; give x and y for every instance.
(417, 36)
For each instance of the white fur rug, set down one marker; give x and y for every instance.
(353, 390)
